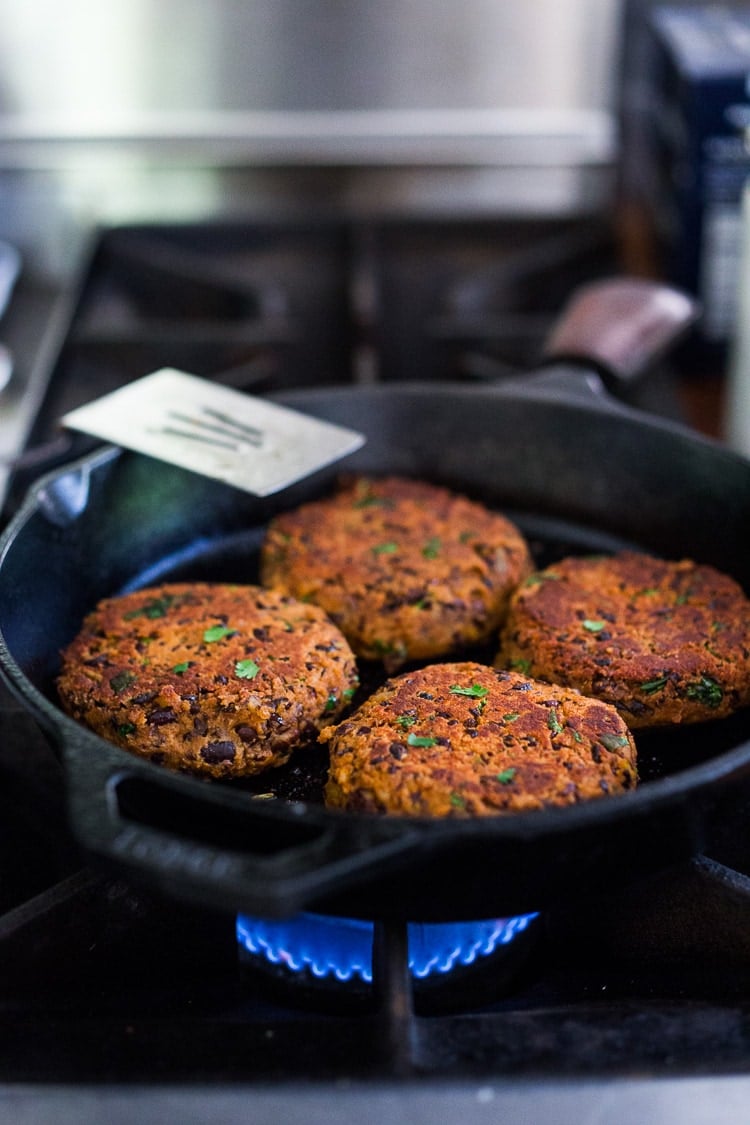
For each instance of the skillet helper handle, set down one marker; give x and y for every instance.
(621, 325)
(212, 845)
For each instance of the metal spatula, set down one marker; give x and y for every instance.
(248, 442)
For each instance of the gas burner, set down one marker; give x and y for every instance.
(328, 961)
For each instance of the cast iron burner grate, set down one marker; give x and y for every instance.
(103, 983)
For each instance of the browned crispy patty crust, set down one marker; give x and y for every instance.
(408, 570)
(464, 740)
(211, 679)
(664, 641)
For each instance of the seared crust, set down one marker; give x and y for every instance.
(665, 642)
(409, 571)
(211, 679)
(463, 740)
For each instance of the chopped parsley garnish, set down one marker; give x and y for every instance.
(706, 691)
(126, 729)
(541, 576)
(650, 687)
(406, 721)
(331, 702)
(122, 680)
(157, 607)
(388, 548)
(476, 691)
(510, 716)
(593, 626)
(521, 665)
(182, 667)
(218, 633)
(388, 648)
(246, 669)
(431, 548)
(366, 498)
(349, 693)
(458, 801)
(420, 740)
(613, 741)
(506, 776)
(554, 723)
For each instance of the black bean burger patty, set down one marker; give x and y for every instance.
(464, 740)
(206, 678)
(663, 641)
(409, 571)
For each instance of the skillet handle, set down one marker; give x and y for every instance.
(213, 845)
(622, 326)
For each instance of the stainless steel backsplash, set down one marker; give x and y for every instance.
(171, 108)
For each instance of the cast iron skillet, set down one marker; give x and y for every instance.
(576, 469)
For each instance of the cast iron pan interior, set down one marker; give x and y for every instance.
(120, 522)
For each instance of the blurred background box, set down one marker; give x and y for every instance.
(684, 161)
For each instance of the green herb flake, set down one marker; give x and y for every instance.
(613, 741)
(521, 665)
(706, 691)
(246, 669)
(554, 723)
(349, 693)
(593, 626)
(458, 801)
(388, 548)
(386, 648)
(366, 498)
(510, 716)
(650, 687)
(540, 576)
(121, 681)
(218, 633)
(476, 691)
(506, 776)
(431, 548)
(420, 740)
(157, 607)
(180, 668)
(331, 703)
(126, 729)
(406, 721)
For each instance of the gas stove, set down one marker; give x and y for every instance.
(624, 1004)
(275, 305)
(114, 1000)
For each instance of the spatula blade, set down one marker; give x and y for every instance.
(245, 441)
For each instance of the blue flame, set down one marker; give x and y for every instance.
(341, 948)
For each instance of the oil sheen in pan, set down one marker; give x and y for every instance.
(234, 558)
